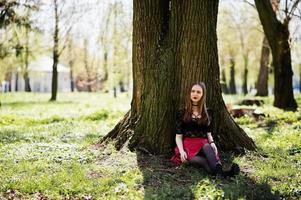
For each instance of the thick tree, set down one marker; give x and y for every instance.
(174, 46)
(278, 36)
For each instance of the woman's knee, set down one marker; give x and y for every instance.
(207, 148)
(207, 145)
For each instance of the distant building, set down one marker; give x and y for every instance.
(40, 76)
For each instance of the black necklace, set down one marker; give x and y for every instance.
(195, 105)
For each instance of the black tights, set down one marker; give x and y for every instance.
(206, 159)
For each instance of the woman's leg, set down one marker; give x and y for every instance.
(200, 161)
(213, 163)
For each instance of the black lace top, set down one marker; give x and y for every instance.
(192, 128)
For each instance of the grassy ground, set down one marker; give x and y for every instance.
(47, 152)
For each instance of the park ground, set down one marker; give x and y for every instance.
(48, 151)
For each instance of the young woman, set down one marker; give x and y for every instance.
(194, 141)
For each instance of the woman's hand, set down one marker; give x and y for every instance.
(214, 147)
(183, 156)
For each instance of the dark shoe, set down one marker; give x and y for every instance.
(235, 169)
(218, 170)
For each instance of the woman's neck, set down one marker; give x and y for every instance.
(195, 109)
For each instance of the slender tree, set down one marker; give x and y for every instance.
(225, 89)
(232, 84)
(71, 61)
(60, 38)
(55, 52)
(174, 46)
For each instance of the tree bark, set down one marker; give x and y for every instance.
(277, 34)
(174, 46)
(262, 82)
(232, 84)
(55, 52)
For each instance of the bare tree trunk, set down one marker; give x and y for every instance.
(17, 81)
(27, 82)
(224, 87)
(55, 54)
(105, 65)
(174, 46)
(262, 82)
(71, 62)
(71, 75)
(232, 84)
(87, 67)
(26, 77)
(245, 77)
(277, 34)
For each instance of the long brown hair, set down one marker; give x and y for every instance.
(202, 108)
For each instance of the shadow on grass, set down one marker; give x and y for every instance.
(163, 180)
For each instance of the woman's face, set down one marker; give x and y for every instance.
(196, 94)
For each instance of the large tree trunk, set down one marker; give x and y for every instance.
(232, 84)
(277, 34)
(174, 46)
(54, 83)
(262, 82)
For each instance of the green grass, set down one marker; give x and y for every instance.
(47, 151)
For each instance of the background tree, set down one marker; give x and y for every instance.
(278, 35)
(64, 19)
(262, 81)
(71, 60)
(232, 84)
(174, 46)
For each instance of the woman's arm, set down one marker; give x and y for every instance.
(210, 138)
(179, 142)
(211, 142)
